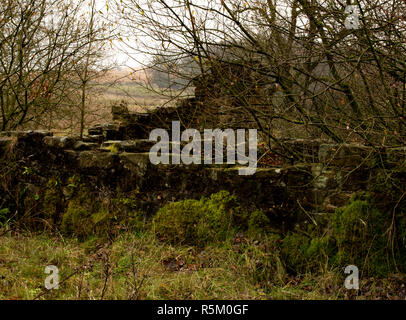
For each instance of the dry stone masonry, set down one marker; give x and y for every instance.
(114, 157)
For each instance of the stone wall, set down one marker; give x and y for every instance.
(111, 164)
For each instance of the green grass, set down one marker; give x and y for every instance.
(212, 250)
(134, 266)
(138, 266)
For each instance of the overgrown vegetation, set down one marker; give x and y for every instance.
(292, 69)
(355, 234)
(204, 249)
(198, 222)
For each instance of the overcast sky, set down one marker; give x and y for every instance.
(119, 52)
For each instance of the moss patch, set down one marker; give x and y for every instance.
(198, 222)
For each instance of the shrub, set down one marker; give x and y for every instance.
(197, 222)
(293, 251)
(359, 230)
(356, 234)
(258, 223)
(86, 215)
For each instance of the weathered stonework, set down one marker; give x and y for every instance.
(114, 157)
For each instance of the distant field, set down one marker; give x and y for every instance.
(122, 85)
(138, 97)
(134, 88)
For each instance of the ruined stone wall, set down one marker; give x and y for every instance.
(111, 166)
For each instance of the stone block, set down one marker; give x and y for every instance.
(96, 161)
(60, 142)
(83, 146)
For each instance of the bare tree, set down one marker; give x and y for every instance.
(291, 67)
(92, 66)
(40, 44)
